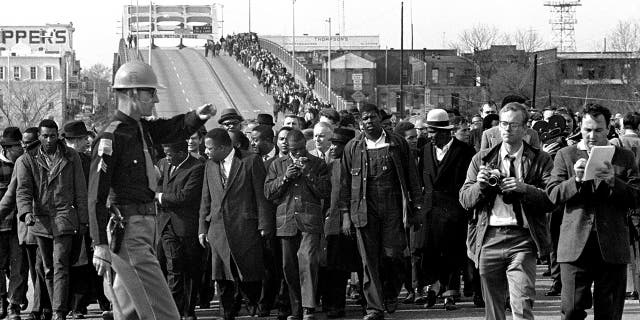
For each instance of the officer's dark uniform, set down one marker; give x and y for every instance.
(119, 177)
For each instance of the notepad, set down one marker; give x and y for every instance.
(597, 157)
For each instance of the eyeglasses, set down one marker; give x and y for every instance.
(230, 123)
(512, 125)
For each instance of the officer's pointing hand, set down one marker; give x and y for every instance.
(206, 111)
(202, 238)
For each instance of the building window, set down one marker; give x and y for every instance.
(16, 73)
(579, 71)
(440, 99)
(1, 73)
(435, 75)
(33, 73)
(451, 78)
(48, 73)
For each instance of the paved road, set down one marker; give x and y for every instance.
(191, 81)
(545, 308)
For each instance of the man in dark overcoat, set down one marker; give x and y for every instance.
(234, 217)
(440, 243)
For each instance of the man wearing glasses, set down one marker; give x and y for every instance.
(493, 136)
(123, 175)
(505, 189)
(230, 120)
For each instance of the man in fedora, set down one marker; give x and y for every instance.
(76, 136)
(265, 119)
(439, 246)
(11, 253)
(340, 246)
(230, 120)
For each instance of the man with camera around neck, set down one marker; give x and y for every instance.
(509, 222)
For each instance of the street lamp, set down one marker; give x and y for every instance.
(293, 39)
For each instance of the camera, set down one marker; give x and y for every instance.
(494, 180)
(299, 163)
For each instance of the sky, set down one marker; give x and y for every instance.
(436, 23)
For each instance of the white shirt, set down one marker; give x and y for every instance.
(269, 155)
(502, 214)
(380, 143)
(440, 153)
(226, 163)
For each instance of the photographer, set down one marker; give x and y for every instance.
(505, 189)
(296, 184)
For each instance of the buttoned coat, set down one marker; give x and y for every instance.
(441, 185)
(181, 192)
(536, 169)
(586, 207)
(298, 201)
(232, 216)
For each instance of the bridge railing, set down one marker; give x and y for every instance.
(321, 90)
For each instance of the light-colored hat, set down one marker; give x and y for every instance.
(438, 119)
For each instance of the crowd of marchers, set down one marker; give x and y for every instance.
(152, 217)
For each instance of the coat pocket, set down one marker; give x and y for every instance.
(312, 219)
(66, 221)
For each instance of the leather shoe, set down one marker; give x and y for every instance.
(375, 315)
(59, 316)
(477, 301)
(107, 315)
(410, 299)
(431, 299)
(308, 314)
(391, 305)
(421, 298)
(553, 292)
(450, 304)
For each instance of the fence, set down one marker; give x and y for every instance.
(321, 90)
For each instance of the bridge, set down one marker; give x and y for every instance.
(191, 79)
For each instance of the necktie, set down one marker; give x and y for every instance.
(152, 179)
(223, 174)
(517, 208)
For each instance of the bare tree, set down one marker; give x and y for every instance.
(99, 76)
(626, 36)
(478, 37)
(527, 40)
(29, 102)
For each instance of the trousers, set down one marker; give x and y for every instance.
(508, 257)
(140, 288)
(183, 263)
(301, 264)
(41, 299)
(609, 282)
(12, 256)
(56, 260)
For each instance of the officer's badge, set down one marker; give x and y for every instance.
(105, 147)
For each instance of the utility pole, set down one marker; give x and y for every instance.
(400, 108)
(535, 80)
(249, 16)
(411, 17)
(137, 24)
(293, 40)
(150, 32)
(329, 61)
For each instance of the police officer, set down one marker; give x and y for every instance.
(123, 180)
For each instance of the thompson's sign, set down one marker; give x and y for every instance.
(311, 43)
(48, 37)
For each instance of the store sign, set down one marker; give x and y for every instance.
(311, 43)
(46, 37)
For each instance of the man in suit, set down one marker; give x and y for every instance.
(379, 181)
(505, 189)
(234, 218)
(440, 243)
(322, 133)
(475, 136)
(261, 139)
(593, 248)
(297, 184)
(179, 201)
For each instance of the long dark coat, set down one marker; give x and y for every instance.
(232, 217)
(445, 221)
